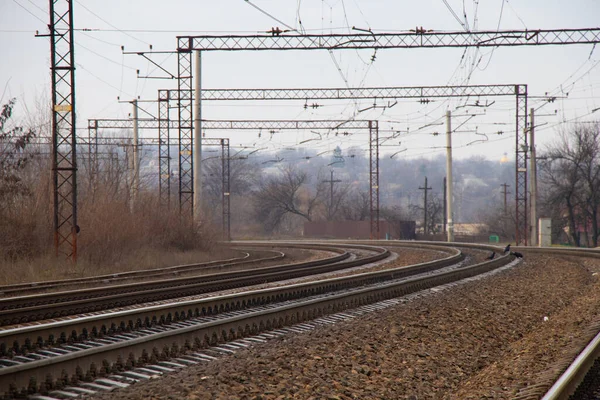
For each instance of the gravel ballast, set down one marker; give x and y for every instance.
(484, 339)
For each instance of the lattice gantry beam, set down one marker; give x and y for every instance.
(412, 92)
(374, 177)
(394, 92)
(64, 149)
(236, 124)
(420, 38)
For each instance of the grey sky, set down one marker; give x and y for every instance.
(103, 73)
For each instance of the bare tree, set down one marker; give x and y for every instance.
(243, 176)
(355, 206)
(435, 210)
(285, 194)
(499, 222)
(334, 193)
(571, 174)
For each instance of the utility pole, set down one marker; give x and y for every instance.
(426, 188)
(448, 191)
(445, 206)
(197, 158)
(506, 192)
(135, 181)
(533, 177)
(331, 181)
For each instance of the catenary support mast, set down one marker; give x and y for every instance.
(64, 149)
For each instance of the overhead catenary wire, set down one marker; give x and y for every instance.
(455, 15)
(29, 12)
(270, 15)
(109, 24)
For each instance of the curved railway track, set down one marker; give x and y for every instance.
(32, 287)
(126, 346)
(45, 356)
(23, 309)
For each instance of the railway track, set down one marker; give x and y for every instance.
(580, 379)
(45, 357)
(22, 309)
(244, 257)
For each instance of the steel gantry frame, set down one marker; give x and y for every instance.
(519, 91)
(165, 125)
(64, 149)
(94, 125)
(419, 38)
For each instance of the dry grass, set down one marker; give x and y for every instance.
(113, 238)
(49, 268)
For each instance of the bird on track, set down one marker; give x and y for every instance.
(517, 254)
(507, 249)
(491, 256)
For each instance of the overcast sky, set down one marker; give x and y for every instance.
(571, 72)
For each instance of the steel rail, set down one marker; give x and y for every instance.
(75, 329)
(9, 303)
(224, 334)
(152, 272)
(52, 305)
(571, 379)
(204, 333)
(46, 298)
(40, 312)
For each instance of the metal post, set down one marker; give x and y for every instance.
(64, 139)
(93, 167)
(198, 141)
(135, 181)
(185, 109)
(521, 147)
(533, 177)
(449, 176)
(225, 189)
(164, 156)
(374, 177)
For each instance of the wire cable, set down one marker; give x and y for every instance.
(455, 15)
(29, 12)
(108, 23)
(271, 16)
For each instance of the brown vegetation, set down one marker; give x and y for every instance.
(114, 236)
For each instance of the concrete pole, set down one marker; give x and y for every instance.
(445, 206)
(449, 176)
(135, 182)
(198, 142)
(533, 178)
